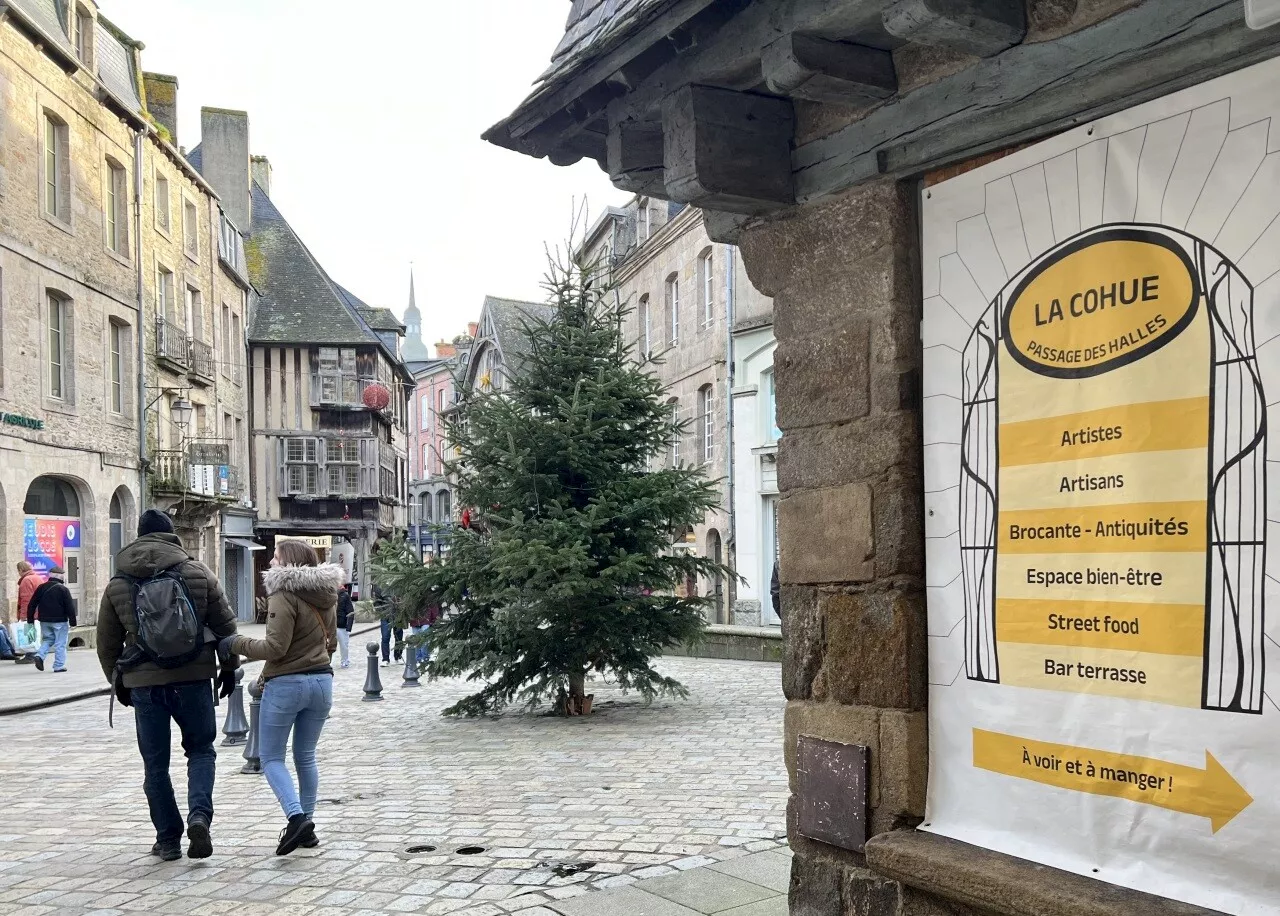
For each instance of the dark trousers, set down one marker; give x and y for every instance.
(191, 706)
(387, 630)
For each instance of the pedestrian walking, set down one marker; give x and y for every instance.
(346, 620)
(386, 610)
(301, 636)
(419, 626)
(28, 581)
(153, 631)
(57, 609)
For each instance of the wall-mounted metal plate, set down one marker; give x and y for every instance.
(832, 784)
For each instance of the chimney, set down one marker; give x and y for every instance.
(445, 350)
(162, 101)
(260, 166)
(224, 152)
(472, 327)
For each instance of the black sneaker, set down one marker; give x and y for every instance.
(201, 846)
(169, 851)
(298, 829)
(25, 660)
(38, 661)
(310, 841)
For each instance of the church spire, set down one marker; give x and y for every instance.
(414, 349)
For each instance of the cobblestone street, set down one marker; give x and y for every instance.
(557, 807)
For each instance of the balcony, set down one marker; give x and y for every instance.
(336, 391)
(203, 468)
(171, 345)
(202, 363)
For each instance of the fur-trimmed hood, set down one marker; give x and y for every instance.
(316, 585)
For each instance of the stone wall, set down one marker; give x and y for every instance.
(844, 278)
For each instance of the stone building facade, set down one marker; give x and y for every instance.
(431, 502)
(810, 133)
(83, 390)
(682, 294)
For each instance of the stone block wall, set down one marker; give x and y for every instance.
(844, 278)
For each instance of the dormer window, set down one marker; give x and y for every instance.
(82, 34)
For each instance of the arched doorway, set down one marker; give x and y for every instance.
(715, 552)
(52, 530)
(120, 522)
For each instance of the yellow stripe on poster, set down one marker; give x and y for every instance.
(1170, 629)
(1161, 578)
(1141, 477)
(1171, 679)
(1157, 426)
(1169, 527)
(1211, 792)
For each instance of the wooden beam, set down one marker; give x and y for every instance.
(727, 150)
(979, 27)
(836, 72)
(1035, 90)
(633, 157)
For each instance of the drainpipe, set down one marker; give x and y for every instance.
(729, 358)
(141, 334)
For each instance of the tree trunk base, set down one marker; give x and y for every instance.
(576, 706)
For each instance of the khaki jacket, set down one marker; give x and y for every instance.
(302, 620)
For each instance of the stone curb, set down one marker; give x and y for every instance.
(47, 702)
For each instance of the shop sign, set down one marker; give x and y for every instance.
(17, 419)
(318, 541)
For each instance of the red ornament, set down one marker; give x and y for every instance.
(376, 397)
(466, 518)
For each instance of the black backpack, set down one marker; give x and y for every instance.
(169, 632)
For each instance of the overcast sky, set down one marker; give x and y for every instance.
(371, 115)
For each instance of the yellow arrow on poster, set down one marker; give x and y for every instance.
(1210, 792)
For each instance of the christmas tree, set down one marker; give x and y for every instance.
(563, 567)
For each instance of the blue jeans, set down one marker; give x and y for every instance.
(191, 706)
(54, 636)
(6, 645)
(299, 703)
(424, 654)
(387, 630)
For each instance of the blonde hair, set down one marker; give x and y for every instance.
(296, 553)
(23, 567)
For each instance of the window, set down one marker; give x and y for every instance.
(443, 512)
(642, 220)
(424, 512)
(771, 407)
(342, 466)
(673, 307)
(337, 376)
(237, 347)
(225, 327)
(443, 405)
(706, 423)
(191, 229)
(119, 347)
(228, 241)
(646, 329)
(57, 318)
(673, 405)
(195, 313)
(82, 35)
(426, 413)
(117, 208)
(302, 466)
(162, 203)
(426, 460)
(706, 289)
(57, 169)
(165, 304)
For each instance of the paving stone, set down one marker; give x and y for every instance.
(768, 869)
(707, 891)
(626, 900)
(776, 906)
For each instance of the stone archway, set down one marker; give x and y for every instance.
(60, 525)
(122, 521)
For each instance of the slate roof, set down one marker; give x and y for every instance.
(298, 303)
(115, 66)
(592, 25)
(508, 317)
(48, 16)
(196, 158)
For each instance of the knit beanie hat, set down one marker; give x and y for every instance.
(153, 521)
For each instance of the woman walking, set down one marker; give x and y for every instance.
(300, 639)
(346, 620)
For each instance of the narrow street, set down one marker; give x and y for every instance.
(554, 808)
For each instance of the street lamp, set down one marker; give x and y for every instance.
(181, 411)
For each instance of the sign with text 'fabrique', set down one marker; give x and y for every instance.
(1102, 332)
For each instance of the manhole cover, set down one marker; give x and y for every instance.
(470, 850)
(420, 848)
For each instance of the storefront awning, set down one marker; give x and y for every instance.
(245, 543)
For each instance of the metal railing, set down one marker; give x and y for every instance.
(203, 467)
(171, 342)
(202, 362)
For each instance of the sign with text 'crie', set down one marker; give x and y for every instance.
(1102, 342)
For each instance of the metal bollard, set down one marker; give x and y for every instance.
(236, 728)
(410, 666)
(372, 682)
(252, 763)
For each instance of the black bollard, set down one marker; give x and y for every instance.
(410, 666)
(372, 682)
(236, 728)
(252, 763)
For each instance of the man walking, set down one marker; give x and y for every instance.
(28, 582)
(160, 695)
(57, 609)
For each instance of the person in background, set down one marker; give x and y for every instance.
(28, 581)
(346, 620)
(419, 625)
(57, 610)
(301, 636)
(161, 696)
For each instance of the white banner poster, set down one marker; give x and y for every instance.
(1101, 356)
